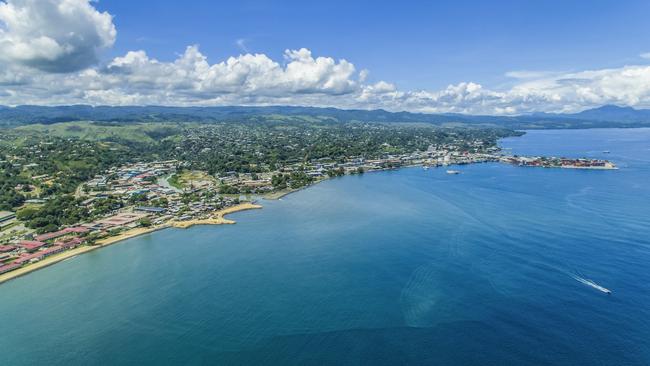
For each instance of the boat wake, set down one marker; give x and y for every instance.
(592, 284)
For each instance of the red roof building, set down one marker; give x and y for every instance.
(39, 255)
(76, 229)
(70, 243)
(31, 245)
(28, 257)
(53, 250)
(6, 248)
(8, 267)
(66, 231)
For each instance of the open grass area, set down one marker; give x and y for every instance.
(96, 131)
(188, 178)
(174, 182)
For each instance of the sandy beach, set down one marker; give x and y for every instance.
(216, 219)
(80, 250)
(128, 235)
(276, 195)
(46, 262)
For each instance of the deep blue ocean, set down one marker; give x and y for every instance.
(391, 268)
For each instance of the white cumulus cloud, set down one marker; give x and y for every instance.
(54, 36)
(192, 77)
(302, 79)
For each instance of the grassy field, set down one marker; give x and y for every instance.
(138, 132)
(187, 178)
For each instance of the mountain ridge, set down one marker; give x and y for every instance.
(604, 116)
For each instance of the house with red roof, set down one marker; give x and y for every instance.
(6, 248)
(8, 267)
(31, 245)
(60, 233)
(39, 255)
(69, 244)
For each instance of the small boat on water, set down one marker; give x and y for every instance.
(425, 167)
(606, 151)
(453, 172)
(593, 284)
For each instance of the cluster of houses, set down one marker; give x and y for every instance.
(434, 156)
(553, 162)
(122, 181)
(133, 179)
(248, 182)
(150, 180)
(40, 247)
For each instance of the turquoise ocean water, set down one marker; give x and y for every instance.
(401, 267)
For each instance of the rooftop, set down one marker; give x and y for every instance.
(31, 245)
(56, 234)
(6, 248)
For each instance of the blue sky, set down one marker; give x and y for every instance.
(478, 57)
(415, 44)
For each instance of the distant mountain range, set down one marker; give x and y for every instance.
(605, 116)
(609, 113)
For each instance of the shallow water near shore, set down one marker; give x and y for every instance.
(388, 268)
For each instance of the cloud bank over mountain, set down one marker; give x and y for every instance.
(51, 52)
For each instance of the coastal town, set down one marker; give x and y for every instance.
(135, 198)
(324, 183)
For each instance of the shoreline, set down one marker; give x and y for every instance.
(218, 219)
(274, 196)
(129, 234)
